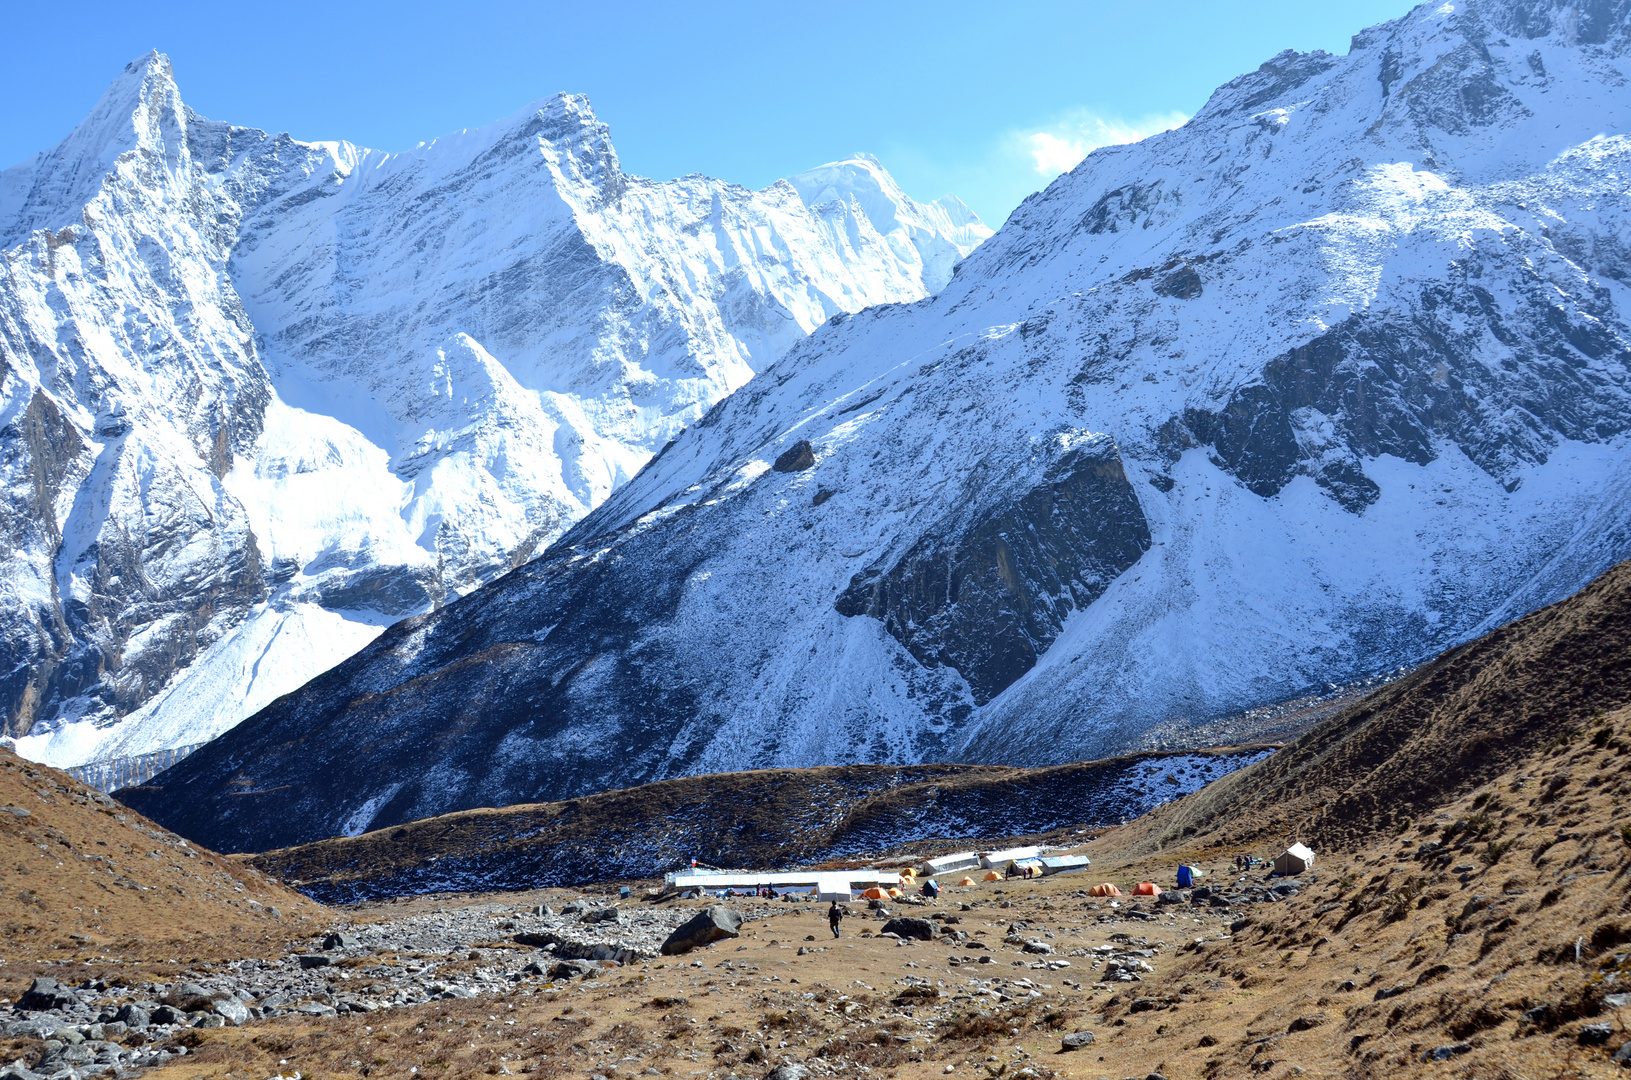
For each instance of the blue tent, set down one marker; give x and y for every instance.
(1187, 876)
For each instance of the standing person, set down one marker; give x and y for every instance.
(835, 914)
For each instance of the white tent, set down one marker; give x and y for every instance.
(945, 865)
(824, 881)
(998, 860)
(1293, 860)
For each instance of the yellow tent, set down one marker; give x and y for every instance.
(966, 881)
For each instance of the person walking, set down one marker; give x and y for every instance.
(835, 915)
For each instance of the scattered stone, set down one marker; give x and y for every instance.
(1076, 1040)
(1391, 991)
(133, 1016)
(602, 915)
(1307, 1023)
(573, 969)
(1617, 1001)
(314, 960)
(1596, 1034)
(708, 926)
(789, 1071)
(168, 1014)
(1447, 1051)
(339, 940)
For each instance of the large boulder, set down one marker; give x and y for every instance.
(232, 1011)
(338, 940)
(168, 1014)
(601, 915)
(920, 929)
(713, 924)
(44, 994)
(133, 1016)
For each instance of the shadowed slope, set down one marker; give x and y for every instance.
(762, 819)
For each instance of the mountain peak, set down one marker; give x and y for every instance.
(140, 110)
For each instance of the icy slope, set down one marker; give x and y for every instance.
(259, 398)
(1328, 379)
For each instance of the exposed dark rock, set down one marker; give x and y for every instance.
(133, 1016)
(1397, 388)
(1182, 284)
(990, 599)
(796, 458)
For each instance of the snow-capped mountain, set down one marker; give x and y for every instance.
(260, 398)
(1333, 376)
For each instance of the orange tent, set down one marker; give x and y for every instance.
(966, 881)
(874, 893)
(1104, 889)
(992, 875)
(896, 893)
(1147, 888)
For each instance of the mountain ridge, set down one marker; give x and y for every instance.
(300, 390)
(1317, 385)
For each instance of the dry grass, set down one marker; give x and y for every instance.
(89, 883)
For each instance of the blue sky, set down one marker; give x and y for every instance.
(985, 100)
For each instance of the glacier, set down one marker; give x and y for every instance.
(1333, 377)
(260, 398)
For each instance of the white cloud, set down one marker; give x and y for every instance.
(1059, 149)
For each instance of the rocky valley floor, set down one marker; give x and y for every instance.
(1467, 917)
(1487, 940)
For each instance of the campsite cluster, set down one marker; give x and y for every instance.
(485, 952)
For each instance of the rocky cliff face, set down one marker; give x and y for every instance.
(259, 397)
(1334, 376)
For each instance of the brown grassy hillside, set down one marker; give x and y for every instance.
(83, 878)
(1422, 742)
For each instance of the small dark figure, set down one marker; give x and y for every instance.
(835, 914)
